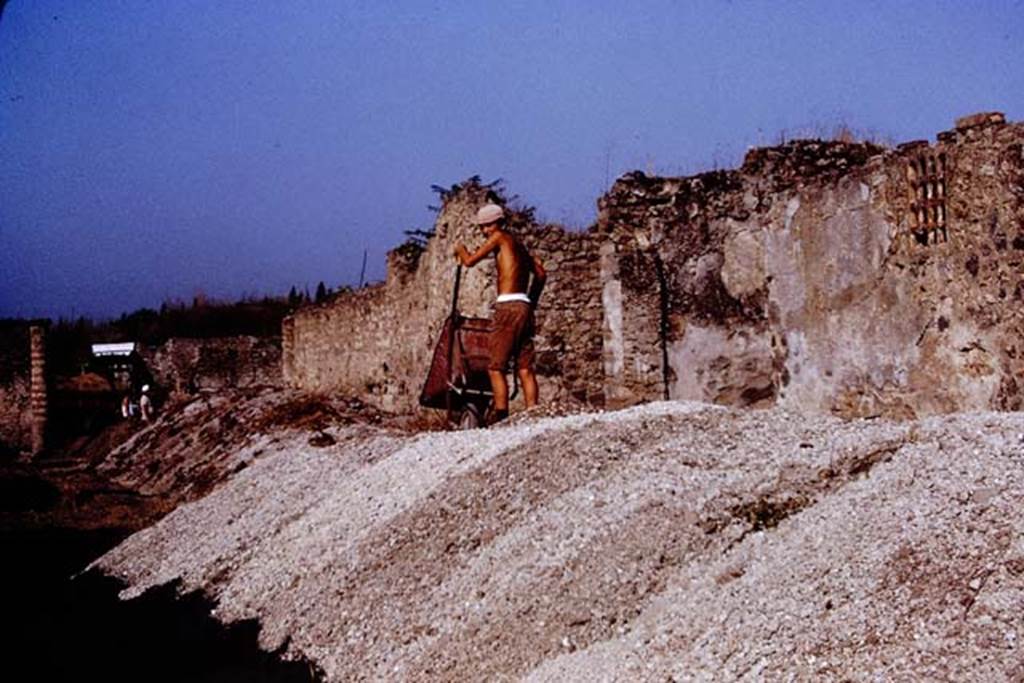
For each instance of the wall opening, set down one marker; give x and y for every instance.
(926, 181)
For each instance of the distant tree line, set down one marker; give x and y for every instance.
(297, 298)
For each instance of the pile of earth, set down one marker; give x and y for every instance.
(672, 541)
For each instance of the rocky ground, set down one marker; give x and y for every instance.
(673, 541)
(130, 474)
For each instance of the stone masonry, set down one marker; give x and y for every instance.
(821, 275)
(377, 342)
(187, 365)
(825, 276)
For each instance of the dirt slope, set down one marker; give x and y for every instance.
(669, 541)
(131, 474)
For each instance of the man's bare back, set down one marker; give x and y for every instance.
(515, 263)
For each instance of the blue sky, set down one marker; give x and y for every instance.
(154, 150)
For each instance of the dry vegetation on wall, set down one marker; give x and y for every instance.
(727, 157)
(836, 131)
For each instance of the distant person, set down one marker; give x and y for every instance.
(512, 334)
(146, 404)
(126, 406)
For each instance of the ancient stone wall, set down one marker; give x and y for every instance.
(826, 276)
(569, 341)
(189, 365)
(378, 341)
(822, 275)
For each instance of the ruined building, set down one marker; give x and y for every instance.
(820, 275)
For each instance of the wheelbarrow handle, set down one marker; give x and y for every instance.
(453, 322)
(455, 290)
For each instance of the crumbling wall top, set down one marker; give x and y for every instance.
(772, 169)
(985, 118)
(801, 160)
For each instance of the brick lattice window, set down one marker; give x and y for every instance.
(926, 175)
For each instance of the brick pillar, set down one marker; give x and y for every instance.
(288, 350)
(38, 388)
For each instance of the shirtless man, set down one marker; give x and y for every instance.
(513, 313)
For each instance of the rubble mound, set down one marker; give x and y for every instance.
(131, 473)
(671, 541)
(196, 444)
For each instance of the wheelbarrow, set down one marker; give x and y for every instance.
(458, 382)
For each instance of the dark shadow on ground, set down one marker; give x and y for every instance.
(77, 629)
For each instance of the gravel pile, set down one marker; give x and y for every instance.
(672, 541)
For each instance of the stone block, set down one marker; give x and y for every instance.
(985, 118)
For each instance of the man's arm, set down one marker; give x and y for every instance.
(469, 260)
(540, 277)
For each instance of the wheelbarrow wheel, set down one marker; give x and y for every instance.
(471, 418)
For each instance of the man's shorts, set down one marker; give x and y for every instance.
(512, 336)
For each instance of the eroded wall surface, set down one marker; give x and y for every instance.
(825, 276)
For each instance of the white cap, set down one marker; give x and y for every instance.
(145, 387)
(489, 213)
